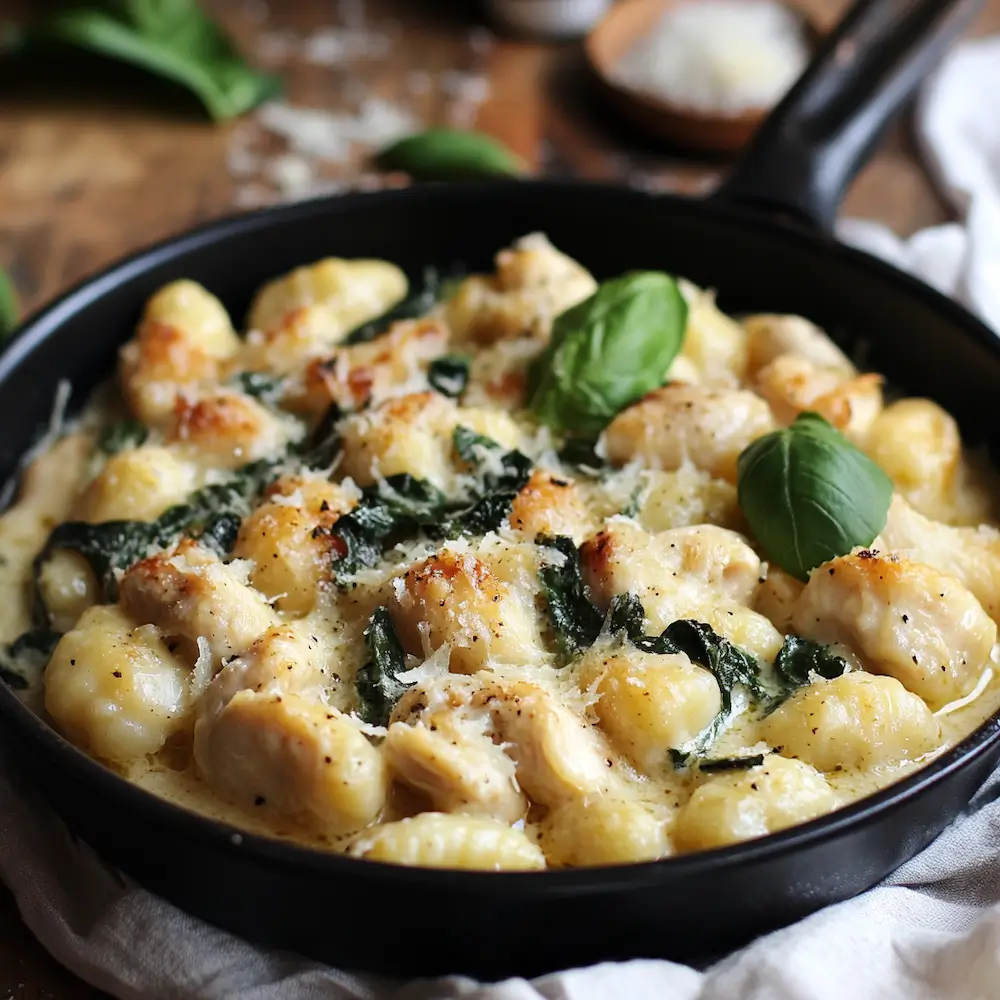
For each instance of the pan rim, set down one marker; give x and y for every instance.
(289, 855)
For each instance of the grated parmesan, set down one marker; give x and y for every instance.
(723, 56)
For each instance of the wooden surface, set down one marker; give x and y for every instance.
(95, 162)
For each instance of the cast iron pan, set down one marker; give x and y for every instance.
(765, 243)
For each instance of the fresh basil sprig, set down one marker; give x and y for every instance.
(608, 351)
(809, 495)
(170, 38)
(449, 154)
(10, 309)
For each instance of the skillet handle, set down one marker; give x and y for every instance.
(805, 154)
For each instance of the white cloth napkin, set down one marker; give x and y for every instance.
(930, 932)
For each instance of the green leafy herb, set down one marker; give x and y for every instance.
(212, 514)
(731, 763)
(501, 475)
(121, 435)
(323, 444)
(575, 621)
(170, 38)
(378, 683)
(799, 658)
(260, 385)
(390, 509)
(10, 308)
(449, 375)
(810, 495)
(607, 352)
(449, 154)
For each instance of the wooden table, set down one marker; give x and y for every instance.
(94, 166)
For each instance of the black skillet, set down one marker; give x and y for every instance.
(764, 241)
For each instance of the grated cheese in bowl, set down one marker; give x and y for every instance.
(718, 56)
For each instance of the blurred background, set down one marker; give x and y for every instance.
(98, 158)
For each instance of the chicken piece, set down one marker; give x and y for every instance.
(971, 555)
(714, 344)
(776, 597)
(791, 384)
(289, 541)
(181, 343)
(558, 755)
(440, 840)
(622, 557)
(770, 336)
(458, 599)
(550, 505)
(532, 285)
(356, 374)
(227, 430)
(115, 688)
(138, 484)
(648, 703)
(459, 769)
(708, 427)
(853, 721)
(293, 756)
(189, 593)
(741, 805)
(902, 618)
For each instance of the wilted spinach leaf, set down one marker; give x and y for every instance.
(391, 508)
(449, 375)
(212, 513)
(576, 621)
(731, 763)
(170, 38)
(581, 455)
(323, 444)
(121, 435)
(29, 652)
(378, 683)
(415, 305)
(798, 658)
(500, 474)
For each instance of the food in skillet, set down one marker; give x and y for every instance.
(516, 572)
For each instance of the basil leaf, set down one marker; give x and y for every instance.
(10, 308)
(378, 683)
(449, 374)
(449, 154)
(608, 351)
(121, 435)
(799, 658)
(575, 621)
(809, 495)
(170, 38)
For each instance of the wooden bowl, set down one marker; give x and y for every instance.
(682, 126)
